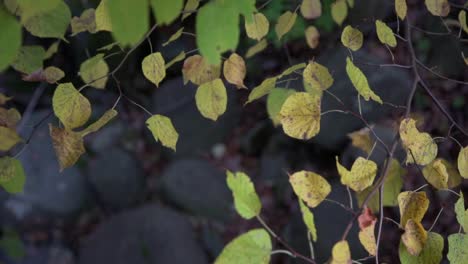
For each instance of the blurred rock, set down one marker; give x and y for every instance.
(196, 134)
(254, 141)
(117, 177)
(198, 187)
(148, 235)
(54, 254)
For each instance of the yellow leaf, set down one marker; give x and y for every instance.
(94, 71)
(174, 37)
(308, 218)
(179, 57)
(441, 174)
(258, 27)
(401, 8)
(385, 34)
(68, 146)
(310, 187)
(292, 69)
(300, 115)
(361, 139)
(367, 238)
(275, 101)
(153, 67)
(190, 8)
(197, 70)
(263, 89)
(102, 17)
(86, 22)
(463, 162)
(8, 138)
(419, 146)
(359, 81)
(413, 205)
(340, 252)
(53, 74)
(285, 23)
(438, 7)
(312, 36)
(361, 176)
(211, 99)
(414, 238)
(260, 46)
(462, 20)
(9, 118)
(352, 38)
(4, 99)
(71, 107)
(102, 121)
(311, 9)
(316, 77)
(234, 70)
(339, 11)
(162, 129)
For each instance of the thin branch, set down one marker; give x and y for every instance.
(435, 221)
(438, 74)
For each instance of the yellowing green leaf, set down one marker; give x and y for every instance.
(359, 81)
(10, 38)
(129, 20)
(461, 212)
(367, 238)
(414, 238)
(162, 129)
(260, 46)
(316, 77)
(352, 38)
(285, 23)
(311, 9)
(246, 200)
(166, 11)
(211, 99)
(438, 7)
(190, 8)
(350, 3)
(9, 118)
(385, 34)
(68, 146)
(12, 177)
(308, 218)
(413, 205)
(217, 29)
(258, 27)
(94, 71)
(53, 74)
(312, 37)
(253, 247)
(458, 248)
(340, 252)
(462, 20)
(310, 187)
(179, 57)
(300, 115)
(292, 69)
(441, 174)
(339, 11)
(430, 254)
(419, 146)
(361, 139)
(49, 24)
(8, 138)
(70, 106)
(234, 70)
(361, 175)
(263, 89)
(53, 48)
(86, 22)
(462, 162)
(174, 37)
(102, 121)
(153, 67)
(275, 101)
(401, 8)
(29, 59)
(102, 16)
(197, 70)
(4, 99)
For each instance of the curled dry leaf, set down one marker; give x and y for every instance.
(234, 70)
(310, 187)
(68, 146)
(414, 238)
(420, 147)
(413, 205)
(197, 70)
(300, 115)
(174, 37)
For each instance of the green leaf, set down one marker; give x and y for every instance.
(10, 38)
(211, 99)
(190, 7)
(162, 129)
(461, 212)
(385, 34)
(430, 254)
(130, 20)
(28, 8)
(52, 23)
(68, 146)
(29, 59)
(253, 247)
(285, 23)
(217, 29)
(94, 71)
(174, 37)
(458, 248)
(359, 81)
(179, 57)
(102, 121)
(263, 89)
(102, 16)
(308, 218)
(153, 67)
(166, 11)
(352, 38)
(246, 200)
(275, 101)
(12, 177)
(8, 138)
(70, 106)
(53, 74)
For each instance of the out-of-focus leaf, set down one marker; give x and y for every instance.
(10, 38)
(311, 9)
(438, 7)
(166, 11)
(340, 252)
(49, 24)
(300, 115)
(12, 177)
(174, 37)
(457, 248)
(4, 99)
(85, 22)
(385, 34)
(401, 8)
(199, 71)
(211, 99)
(179, 57)
(285, 23)
(312, 36)
(8, 138)
(9, 117)
(29, 59)
(339, 11)
(102, 16)
(310, 187)
(462, 162)
(462, 20)
(53, 74)
(263, 89)
(12, 245)
(260, 46)
(461, 212)
(129, 20)
(190, 7)
(234, 70)
(441, 174)
(102, 121)
(246, 200)
(53, 48)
